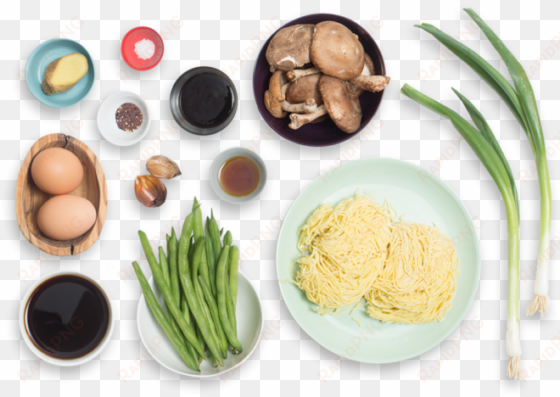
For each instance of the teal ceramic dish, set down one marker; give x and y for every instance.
(422, 198)
(38, 61)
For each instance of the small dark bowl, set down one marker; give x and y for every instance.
(325, 133)
(175, 94)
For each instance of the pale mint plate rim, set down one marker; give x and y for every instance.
(472, 291)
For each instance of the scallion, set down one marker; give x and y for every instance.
(495, 163)
(529, 105)
(521, 102)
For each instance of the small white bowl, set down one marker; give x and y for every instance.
(107, 123)
(249, 329)
(52, 360)
(221, 159)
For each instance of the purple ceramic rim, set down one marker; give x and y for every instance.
(325, 133)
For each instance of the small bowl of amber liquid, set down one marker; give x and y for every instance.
(66, 319)
(238, 175)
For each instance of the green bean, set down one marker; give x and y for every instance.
(165, 271)
(173, 272)
(215, 236)
(190, 293)
(208, 316)
(233, 273)
(187, 317)
(211, 258)
(167, 292)
(214, 312)
(191, 250)
(201, 357)
(228, 240)
(198, 251)
(185, 309)
(221, 231)
(163, 264)
(163, 321)
(213, 360)
(203, 268)
(231, 309)
(221, 274)
(168, 240)
(198, 229)
(172, 244)
(197, 258)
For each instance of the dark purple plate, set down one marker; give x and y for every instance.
(325, 133)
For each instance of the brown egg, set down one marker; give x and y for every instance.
(57, 171)
(66, 217)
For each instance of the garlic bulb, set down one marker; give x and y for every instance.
(162, 167)
(150, 191)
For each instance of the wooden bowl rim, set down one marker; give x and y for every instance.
(94, 232)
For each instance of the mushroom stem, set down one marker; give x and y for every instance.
(371, 83)
(297, 73)
(299, 120)
(308, 106)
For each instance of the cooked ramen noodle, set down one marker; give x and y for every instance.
(359, 249)
(347, 246)
(418, 280)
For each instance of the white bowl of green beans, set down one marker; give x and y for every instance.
(249, 329)
(198, 315)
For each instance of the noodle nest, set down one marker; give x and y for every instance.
(359, 250)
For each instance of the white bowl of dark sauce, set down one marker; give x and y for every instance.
(66, 318)
(203, 100)
(238, 175)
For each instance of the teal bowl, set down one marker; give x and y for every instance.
(38, 61)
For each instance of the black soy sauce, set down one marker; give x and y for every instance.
(67, 317)
(206, 100)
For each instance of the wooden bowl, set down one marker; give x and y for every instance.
(29, 197)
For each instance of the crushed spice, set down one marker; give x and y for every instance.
(129, 117)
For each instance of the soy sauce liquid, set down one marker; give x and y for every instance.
(206, 100)
(239, 176)
(67, 317)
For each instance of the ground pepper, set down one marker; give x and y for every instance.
(129, 117)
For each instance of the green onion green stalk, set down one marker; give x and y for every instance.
(483, 144)
(529, 105)
(521, 101)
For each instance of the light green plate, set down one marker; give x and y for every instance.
(422, 198)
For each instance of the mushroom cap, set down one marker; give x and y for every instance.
(336, 51)
(277, 80)
(273, 106)
(289, 48)
(320, 119)
(305, 88)
(341, 102)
